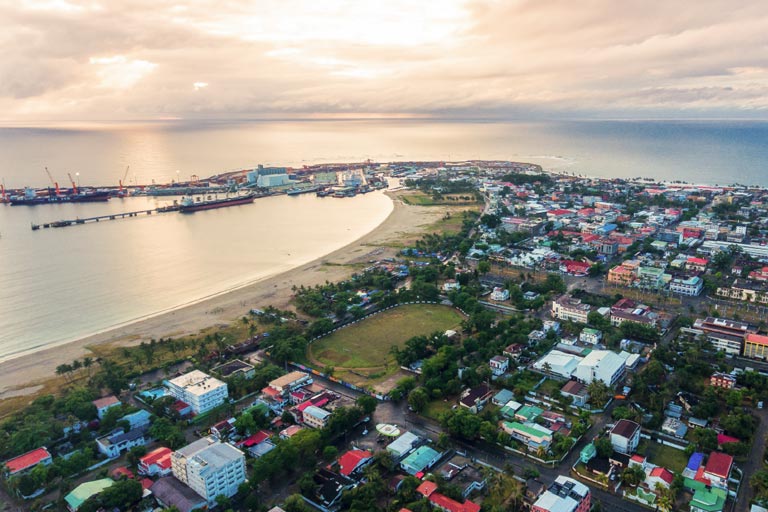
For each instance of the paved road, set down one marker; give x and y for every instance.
(754, 462)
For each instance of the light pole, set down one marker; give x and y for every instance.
(77, 174)
(177, 176)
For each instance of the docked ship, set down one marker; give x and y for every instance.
(189, 205)
(30, 197)
(298, 190)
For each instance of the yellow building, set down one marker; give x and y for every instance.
(756, 346)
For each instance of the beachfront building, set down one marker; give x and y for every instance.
(201, 391)
(564, 495)
(210, 468)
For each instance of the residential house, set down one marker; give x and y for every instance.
(104, 404)
(170, 492)
(576, 391)
(156, 463)
(590, 335)
(353, 461)
(315, 417)
(475, 398)
(421, 459)
(625, 436)
(23, 463)
(82, 492)
(499, 365)
(718, 469)
(722, 380)
(444, 503)
(513, 351)
(659, 476)
(534, 436)
(329, 487)
(119, 441)
(500, 294)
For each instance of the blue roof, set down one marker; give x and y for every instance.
(138, 418)
(697, 458)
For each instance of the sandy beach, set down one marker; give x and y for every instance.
(22, 375)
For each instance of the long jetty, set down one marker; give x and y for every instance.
(99, 218)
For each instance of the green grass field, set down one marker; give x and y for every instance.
(366, 344)
(666, 456)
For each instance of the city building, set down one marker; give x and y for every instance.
(745, 291)
(567, 308)
(235, 368)
(201, 391)
(564, 495)
(315, 417)
(442, 502)
(290, 381)
(691, 286)
(590, 335)
(210, 468)
(576, 391)
(625, 436)
(558, 363)
(724, 334)
(756, 346)
(602, 365)
(420, 460)
(22, 463)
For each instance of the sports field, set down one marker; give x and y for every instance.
(365, 345)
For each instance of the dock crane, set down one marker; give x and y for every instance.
(55, 184)
(74, 187)
(122, 193)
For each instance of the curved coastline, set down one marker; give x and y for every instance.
(27, 369)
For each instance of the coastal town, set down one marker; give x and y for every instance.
(554, 343)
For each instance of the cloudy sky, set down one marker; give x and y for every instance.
(153, 59)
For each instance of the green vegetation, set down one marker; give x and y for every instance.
(368, 344)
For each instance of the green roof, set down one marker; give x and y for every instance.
(84, 491)
(709, 500)
(531, 429)
(529, 412)
(419, 459)
(588, 453)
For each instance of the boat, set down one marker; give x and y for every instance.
(31, 198)
(88, 196)
(189, 205)
(297, 190)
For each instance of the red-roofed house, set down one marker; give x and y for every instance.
(661, 476)
(560, 214)
(441, 502)
(759, 274)
(576, 268)
(121, 472)
(156, 462)
(699, 264)
(28, 461)
(724, 439)
(353, 460)
(252, 440)
(104, 404)
(181, 408)
(718, 469)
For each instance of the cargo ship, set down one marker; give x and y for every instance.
(31, 198)
(189, 205)
(297, 190)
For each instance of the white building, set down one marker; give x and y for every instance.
(500, 294)
(104, 404)
(315, 417)
(567, 308)
(591, 336)
(499, 365)
(210, 468)
(290, 381)
(118, 441)
(691, 286)
(564, 495)
(558, 363)
(602, 365)
(625, 436)
(199, 390)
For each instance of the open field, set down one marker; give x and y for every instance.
(421, 199)
(366, 345)
(666, 456)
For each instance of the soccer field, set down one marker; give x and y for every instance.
(366, 345)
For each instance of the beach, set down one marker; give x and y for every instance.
(24, 374)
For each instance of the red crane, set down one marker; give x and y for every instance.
(55, 184)
(121, 193)
(74, 186)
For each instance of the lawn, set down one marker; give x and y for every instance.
(366, 345)
(435, 408)
(666, 456)
(422, 199)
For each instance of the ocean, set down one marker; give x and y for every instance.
(63, 284)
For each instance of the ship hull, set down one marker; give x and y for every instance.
(221, 203)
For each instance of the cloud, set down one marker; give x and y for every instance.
(137, 58)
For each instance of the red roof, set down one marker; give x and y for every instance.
(638, 458)
(146, 483)
(426, 488)
(257, 438)
(161, 457)
(724, 439)
(122, 471)
(445, 503)
(697, 261)
(28, 460)
(351, 460)
(719, 464)
(757, 338)
(663, 474)
(107, 401)
(559, 212)
(179, 406)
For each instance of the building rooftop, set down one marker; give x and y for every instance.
(197, 382)
(625, 428)
(174, 493)
(719, 464)
(230, 367)
(160, 456)
(82, 492)
(217, 455)
(281, 382)
(27, 460)
(758, 339)
(351, 460)
(106, 401)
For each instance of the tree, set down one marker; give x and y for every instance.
(599, 393)
(167, 433)
(603, 447)
(367, 403)
(330, 452)
(418, 399)
(483, 267)
(633, 476)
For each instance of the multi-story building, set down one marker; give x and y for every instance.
(532, 435)
(743, 290)
(118, 441)
(756, 346)
(718, 469)
(691, 286)
(650, 277)
(210, 468)
(201, 391)
(624, 274)
(602, 365)
(698, 264)
(722, 380)
(566, 307)
(564, 495)
(628, 310)
(499, 294)
(315, 417)
(724, 334)
(625, 436)
(591, 336)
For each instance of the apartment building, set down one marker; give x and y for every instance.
(201, 391)
(210, 468)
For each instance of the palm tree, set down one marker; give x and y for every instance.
(87, 363)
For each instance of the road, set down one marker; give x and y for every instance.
(754, 462)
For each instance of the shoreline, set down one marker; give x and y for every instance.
(27, 371)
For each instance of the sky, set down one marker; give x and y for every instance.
(517, 59)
